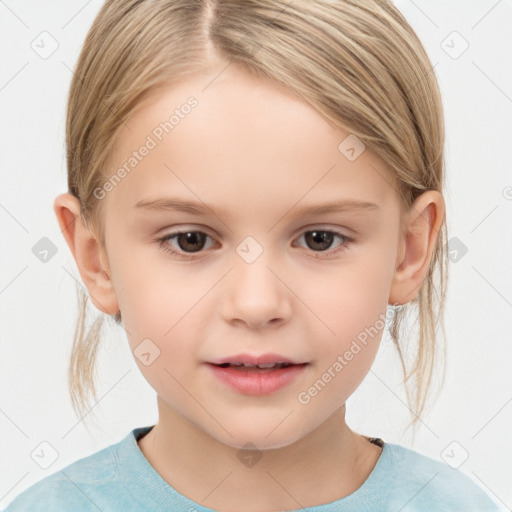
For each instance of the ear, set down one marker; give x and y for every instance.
(421, 225)
(90, 258)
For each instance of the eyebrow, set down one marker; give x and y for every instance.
(198, 208)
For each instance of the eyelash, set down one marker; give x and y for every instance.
(345, 246)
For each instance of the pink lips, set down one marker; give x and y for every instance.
(255, 381)
(256, 359)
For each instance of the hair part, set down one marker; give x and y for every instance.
(359, 63)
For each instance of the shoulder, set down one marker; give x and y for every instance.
(420, 483)
(83, 485)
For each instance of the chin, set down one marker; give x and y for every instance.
(259, 438)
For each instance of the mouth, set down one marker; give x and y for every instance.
(268, 367)
(257, 379)
(261, 361)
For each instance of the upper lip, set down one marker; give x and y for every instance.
(256, 359)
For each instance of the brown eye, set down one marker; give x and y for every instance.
(183, 243)
(319, 240)
(191, 241)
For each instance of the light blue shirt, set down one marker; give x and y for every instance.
(120, 478)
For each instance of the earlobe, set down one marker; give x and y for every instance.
(90, 258)
(422, 224)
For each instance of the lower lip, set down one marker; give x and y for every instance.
(257, 382)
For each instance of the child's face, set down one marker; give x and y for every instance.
(258, 155)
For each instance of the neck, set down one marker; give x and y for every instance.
(326, 465)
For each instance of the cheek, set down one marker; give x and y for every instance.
(155, 305)
(152, 292)
(344, 359)
(171, 306)
(349, 299)
(162, 324)
(353, 318)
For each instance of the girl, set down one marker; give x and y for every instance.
(253, 187)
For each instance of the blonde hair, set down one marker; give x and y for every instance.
(357, 62)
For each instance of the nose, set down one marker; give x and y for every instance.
(256, 294)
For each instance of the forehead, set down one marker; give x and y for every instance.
(233, 137)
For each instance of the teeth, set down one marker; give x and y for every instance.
(264, 366)
(261, 366)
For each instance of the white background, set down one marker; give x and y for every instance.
(38, 300)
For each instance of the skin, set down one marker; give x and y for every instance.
(259, 153)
